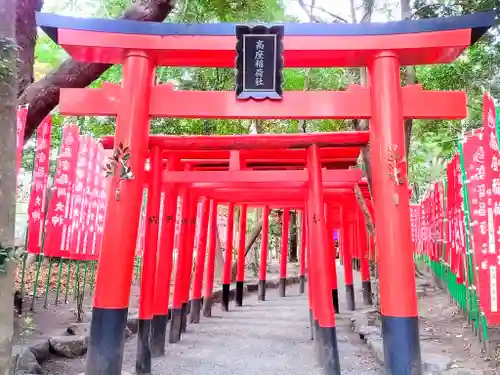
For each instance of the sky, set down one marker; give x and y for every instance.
(341, 8)
(84, 8)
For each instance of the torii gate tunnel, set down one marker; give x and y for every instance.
(382, 48)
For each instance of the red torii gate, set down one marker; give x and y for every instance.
(288, 187)
(237, 184)
(382, 49)
(245, 186)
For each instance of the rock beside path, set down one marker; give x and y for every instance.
(69, 346)
(25, 362)
(41, 350)
(432, 363)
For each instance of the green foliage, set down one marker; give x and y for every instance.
(432, 141)
(47, 53)
(230, 11)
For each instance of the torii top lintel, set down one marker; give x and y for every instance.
(278, 142)
(429, 41)
(338, 150)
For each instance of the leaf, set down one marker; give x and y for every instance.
(126, 157)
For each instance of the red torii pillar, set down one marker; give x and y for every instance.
(212, 247)
(320, 270)
(228, 259)
(164, 270)
(285, 223)
(149, 261)
(178, 307)
(201, 252)
(302, 258)
(363, 254)
(398, 298)
(188, 267)
(263, 254)
(346, 243)
(240, 276)
(112, 293)
(331, 246)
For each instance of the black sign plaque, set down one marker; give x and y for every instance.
(259, 62)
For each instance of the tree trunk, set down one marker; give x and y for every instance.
(410, 75)
(252, 237)
(8, 91)
(253, 258)
(293, 256)
(302, 124)
(369, 224)
(26, 34)
(256, 126)
(219, 258)
(250, 240)
(43, 95)
(364, 125)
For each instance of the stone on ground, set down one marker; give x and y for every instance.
(25, 362)
(69, 346)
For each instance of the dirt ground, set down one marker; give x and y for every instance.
(443, 327)
(54, 320)
(444, 330)
(273, 335)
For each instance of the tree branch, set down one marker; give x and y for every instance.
(309, 10)
(26, 35)
(366, 212)
(437, 6)
(334, 16)
(364, 124)
(410, 76)
(43, 96)
(302, 123)
(368, 7)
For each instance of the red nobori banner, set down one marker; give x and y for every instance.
(414, 214)
(488, 255)
(432, 222)
(91, 204)
(438, 221)
(456, 229)
(141, 232)
(461, 246)
(38, 196)
(93, 207)
(58, 219)
(474, 169)
(450, 204)
(103, 188)
(79, 199)
(22, 114)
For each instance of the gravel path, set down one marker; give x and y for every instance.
(270, 337)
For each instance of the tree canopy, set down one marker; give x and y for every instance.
(431, 141)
